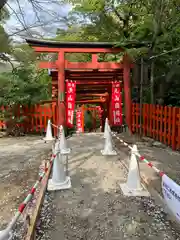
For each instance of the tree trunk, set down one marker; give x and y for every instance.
(152, 82)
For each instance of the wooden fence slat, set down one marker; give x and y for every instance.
(147, 119)
(178, 128)
(157, 123)
(137, 118)
(144, 119)
(169, 125)
(165, 123)
(154, 121)
(174, 115)
(133, 118)
(161, 124)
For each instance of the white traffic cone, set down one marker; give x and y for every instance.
(108, 148)
(133, 185)
(59, 132)
(63, 142)
(59, 179)
(106, 128)
(48, 136)
(6, 234)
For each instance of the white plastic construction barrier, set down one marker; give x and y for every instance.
(63, 142)
(59, 179)
(6, 234)
(108, 147)
(133, 185)
(106, 128)
(48, 136)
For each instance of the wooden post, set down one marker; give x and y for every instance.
(83, 110)
(127, 92)
(94, 58)
(61, 89)
(141, 94)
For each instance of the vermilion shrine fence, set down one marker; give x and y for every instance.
(33, 118)
(161, 123)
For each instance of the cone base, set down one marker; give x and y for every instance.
(108, 153)
(65, 151)
(5, 234)
(52, 186)
(134, 192)
(48, 139)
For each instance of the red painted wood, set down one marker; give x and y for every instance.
(94, 65)
(94, 58)
(83, 65)
(127, 94)
(79, 50)
(178, 129)
(173, 133)
(163, 123)
(93, 82)
(61, 89)
(91, 101)
(46, 65)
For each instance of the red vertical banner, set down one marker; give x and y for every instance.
(116, 104)
(70, 102)
(79, 121)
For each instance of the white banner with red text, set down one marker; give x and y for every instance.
(70, 102)
(116, 104)
(79, 121)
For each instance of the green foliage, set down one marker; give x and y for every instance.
(24, 86)
(154, 22)
(4, 39)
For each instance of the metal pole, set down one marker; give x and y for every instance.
(141, 93)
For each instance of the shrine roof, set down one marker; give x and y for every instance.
(58, 44)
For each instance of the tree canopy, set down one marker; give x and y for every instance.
(23, 84)
(156, 23)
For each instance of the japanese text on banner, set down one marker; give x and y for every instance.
(116, 104)
(171, 192)
(79, 122)
(70, 101)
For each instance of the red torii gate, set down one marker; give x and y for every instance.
(80, 70)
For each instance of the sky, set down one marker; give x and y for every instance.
(40, 20)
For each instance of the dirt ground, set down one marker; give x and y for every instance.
(19, 159)
(95, 208)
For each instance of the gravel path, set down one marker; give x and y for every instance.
(19, 159)
(95, 208)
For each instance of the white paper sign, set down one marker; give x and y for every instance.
(171, 192)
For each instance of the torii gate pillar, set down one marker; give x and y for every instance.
(127, 90)
(61, 89)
